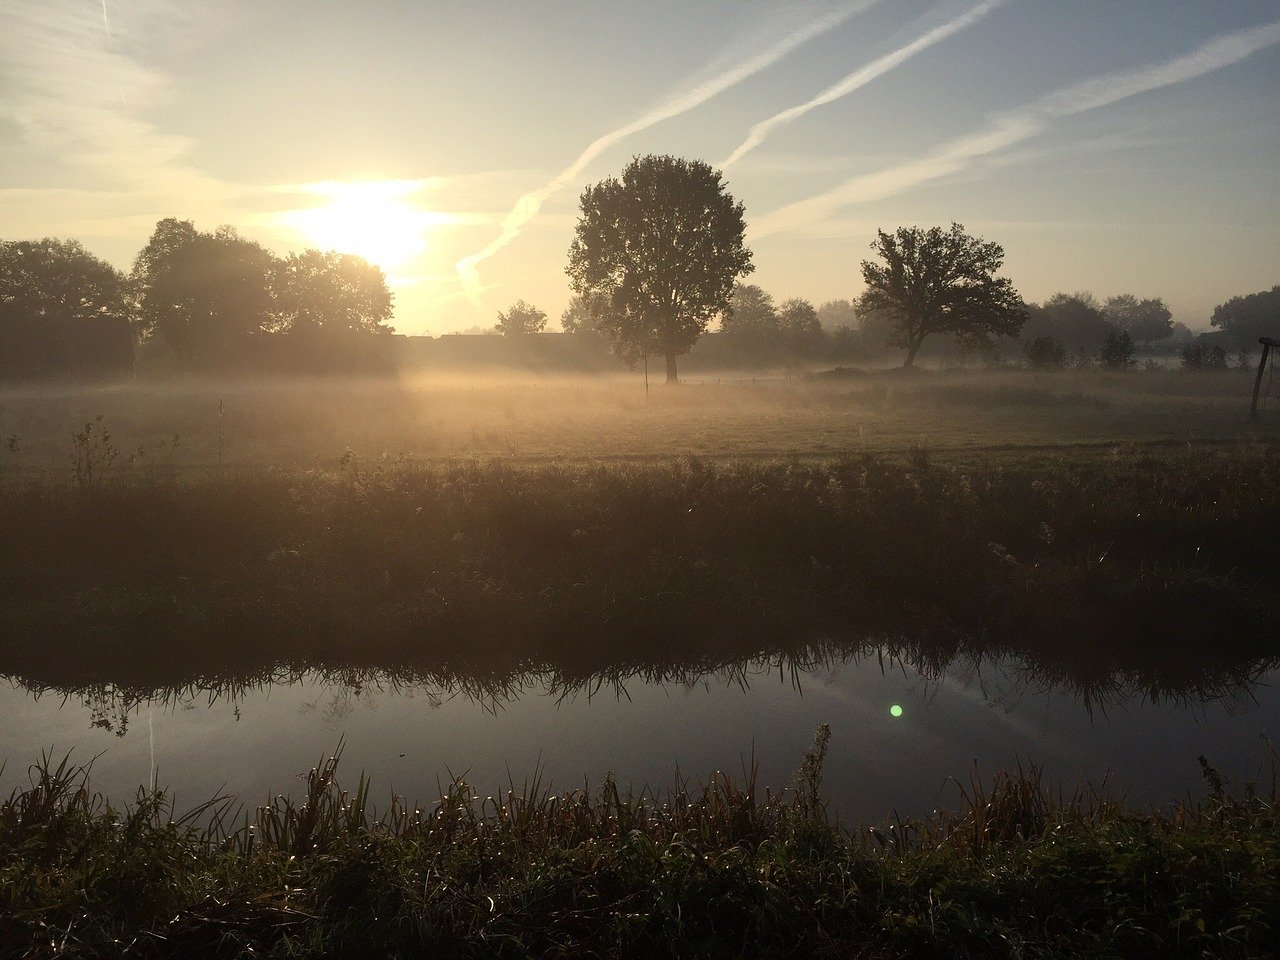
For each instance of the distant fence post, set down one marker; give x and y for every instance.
(1267, 344)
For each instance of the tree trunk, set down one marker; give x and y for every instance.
(911, 355)
(671, 369)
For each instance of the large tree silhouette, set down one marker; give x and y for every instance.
(1144, 320)
(63, 311)
(332, 292)
(940, 281)
(1075, 319)
(205, 294)
(1245, 319)
(664, 245)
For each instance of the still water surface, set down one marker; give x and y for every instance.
(257, 740)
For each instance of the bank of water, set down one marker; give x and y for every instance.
(898, 735)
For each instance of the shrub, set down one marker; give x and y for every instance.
(1117, 352)
(1046, 353)
(1204, 356)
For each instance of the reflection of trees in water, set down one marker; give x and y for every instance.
(1003, 679)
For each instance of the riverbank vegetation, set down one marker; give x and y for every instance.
(721, 868)
(1090, 564)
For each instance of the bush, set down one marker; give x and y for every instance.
(1117, 352)
(1046, 353)
(1204, 356)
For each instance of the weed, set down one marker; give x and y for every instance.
(718, 868)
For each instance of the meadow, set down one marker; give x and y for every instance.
(194, 425)
(1105, 530)
(582, 568)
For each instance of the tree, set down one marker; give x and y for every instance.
(1076, 319)
(1245, 319)
(521, 317)
(801, 328)
(751, 323)
(1144, 320)
(1117, 351)
(59, 280)
(940, 281)
(1204, 356)
(1046, 353)
(664, 245)
(205, 294)
(62, 310)
(839, 314)
(585, 315)
(335, 292)
(846, 331)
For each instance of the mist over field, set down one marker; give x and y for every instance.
(715, 479)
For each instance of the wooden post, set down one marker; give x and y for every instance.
(1267, 344)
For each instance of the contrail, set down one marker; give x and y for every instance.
(861, 77)
(106, 23)
(527, 207)
(1013, 127)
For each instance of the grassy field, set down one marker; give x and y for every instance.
(719, 869)
(187, 426)
(1102, 529)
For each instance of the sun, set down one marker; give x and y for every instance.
(374, 219)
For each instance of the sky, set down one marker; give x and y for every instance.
(1109, 145)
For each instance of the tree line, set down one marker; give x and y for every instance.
(193, 301)
(658, 255)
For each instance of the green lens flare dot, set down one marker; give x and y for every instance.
(895, 711)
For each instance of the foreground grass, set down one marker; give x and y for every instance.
(720, 869)
(1089, 565)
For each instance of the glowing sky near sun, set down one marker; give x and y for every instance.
(1108, 146)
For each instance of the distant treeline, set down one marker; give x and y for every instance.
(194, 301)
(208, 302)
(1067, 329)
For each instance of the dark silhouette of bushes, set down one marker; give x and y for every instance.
(1204, 356)
(1046, 353)
(602, 568)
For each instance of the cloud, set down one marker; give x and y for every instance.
(78, 89)
(1009, 129)
(527, 207)
(861, 77)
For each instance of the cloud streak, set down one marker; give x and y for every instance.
(1017, 126)
(77, 88)
(862, 76)
(527, 207)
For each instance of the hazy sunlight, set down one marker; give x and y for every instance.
(373, 219)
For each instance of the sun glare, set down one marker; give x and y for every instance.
(373, 219)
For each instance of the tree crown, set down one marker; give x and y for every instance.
(932, 281)
(663, 245)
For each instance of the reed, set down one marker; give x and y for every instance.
(720, 867)
(1091, 567)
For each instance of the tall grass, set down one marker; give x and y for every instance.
(718, 868)
(1088, 567)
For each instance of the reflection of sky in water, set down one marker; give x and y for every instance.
(410, 737)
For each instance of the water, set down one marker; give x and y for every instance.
(254, 739)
